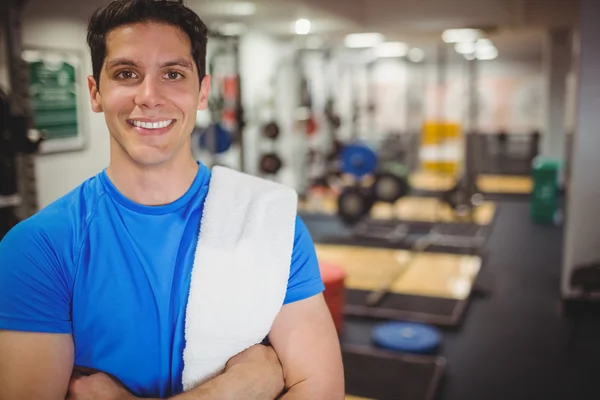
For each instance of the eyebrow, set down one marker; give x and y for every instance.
(180, 62)
(118, 62)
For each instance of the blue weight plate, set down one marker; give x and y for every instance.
(358, 160)
(407, 337)
(216, 139)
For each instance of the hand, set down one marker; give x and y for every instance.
(96, 386)
(263, 362)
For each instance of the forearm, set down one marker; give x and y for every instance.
(238, 382)
(315, 388)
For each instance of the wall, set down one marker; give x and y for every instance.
(583, 216)
(510, 95)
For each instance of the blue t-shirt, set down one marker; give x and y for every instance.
(115, 274)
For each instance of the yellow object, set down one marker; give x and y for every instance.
(438, 275)
(441, 147)
(421, 209)
(442, 167)
(507, 184)
(430, 209)
(437, 132)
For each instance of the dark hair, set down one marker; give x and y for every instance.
(125, 12)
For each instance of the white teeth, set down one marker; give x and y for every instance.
(152, 125)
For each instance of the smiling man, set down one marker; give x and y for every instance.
(94, 288)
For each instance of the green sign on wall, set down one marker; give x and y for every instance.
(54, 90)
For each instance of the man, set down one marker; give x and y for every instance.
(93, 288)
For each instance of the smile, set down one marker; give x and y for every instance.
(152, 125)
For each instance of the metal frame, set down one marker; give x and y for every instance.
(25, 203)
(395, 314)
(441, 363)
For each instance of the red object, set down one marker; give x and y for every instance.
(230, 87)
(311, 126)
(333, 277)
(228, 116)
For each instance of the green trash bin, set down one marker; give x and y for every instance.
(544, 201)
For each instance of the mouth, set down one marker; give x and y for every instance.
(154, 127)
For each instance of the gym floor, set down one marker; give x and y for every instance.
(514, 343)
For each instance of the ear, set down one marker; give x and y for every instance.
(204, 92)
(95, 97)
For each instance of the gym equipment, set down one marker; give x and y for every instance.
(390, 187)
(374, 298)
(407, 337)
(354, 203)
(216, 139)
(271, 130)
(429, 287)
(373, 373)
(432, 184)
(408, 209)
(358, 160)
(18, 142)
(226, 112)
(270, 163)
(463, 198)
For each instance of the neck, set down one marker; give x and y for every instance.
(153, 185)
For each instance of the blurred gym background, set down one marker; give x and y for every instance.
(442, 151)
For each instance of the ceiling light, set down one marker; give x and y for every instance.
(465, 47)
(363, 40)
(232, 29)
(416, 55)
(460, 35)
(485, 50)
(486, 53)
(391, 49)
(469, 57)
(302, 26)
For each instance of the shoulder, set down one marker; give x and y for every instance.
(38, 259)
(59, 226)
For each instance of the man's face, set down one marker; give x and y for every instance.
(149, 93)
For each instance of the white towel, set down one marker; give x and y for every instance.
(240, 273)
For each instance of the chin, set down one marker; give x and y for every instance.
(150, 157)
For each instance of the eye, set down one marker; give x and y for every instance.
(174, 75)
(126, 75)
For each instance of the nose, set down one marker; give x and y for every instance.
(149, 93)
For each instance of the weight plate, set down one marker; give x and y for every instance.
(271, 130)
(270, 163)
(389, 188)
(358, 160)
(407, 337)
(216, 139)
(354, 203)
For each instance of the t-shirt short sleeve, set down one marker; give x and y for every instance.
(34, 291)
(305, 278)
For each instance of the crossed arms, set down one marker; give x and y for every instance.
(304, 363)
